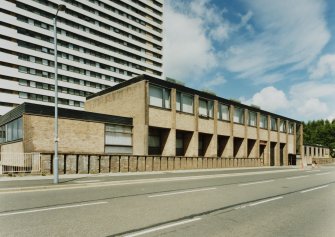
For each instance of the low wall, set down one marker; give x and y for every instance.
(93, 163)
(323, 160)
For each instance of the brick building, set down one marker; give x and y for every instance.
(30, 128)
(146, 117)
(170, 119)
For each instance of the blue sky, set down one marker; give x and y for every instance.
(279, 55)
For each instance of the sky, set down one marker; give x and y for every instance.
(279, 55)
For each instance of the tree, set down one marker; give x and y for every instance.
(320, 132)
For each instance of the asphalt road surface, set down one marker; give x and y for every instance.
(238, 202)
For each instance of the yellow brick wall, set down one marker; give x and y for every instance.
(74, 136)
(129, 101)
(16, 147)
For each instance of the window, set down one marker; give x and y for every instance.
(154, 142)
(184, 102)
(223, 112)
(263, 122)
(206, 108)
(2, 134)
(282, 127)
(179, 144)
(11, 131)
(291, 128)
(239, 115)
(252, 118)
(23, 82)
(118, 139)
(23, 69)
(159, 97)
(274, 124)
(23, 95)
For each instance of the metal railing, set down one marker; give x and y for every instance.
(20, 163)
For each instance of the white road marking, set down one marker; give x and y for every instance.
(181, 192)
(236, 208)
(313, 171)
(257, 203)
(323, 173)
(259, 182)
(264, 201)
(162, 227)
(87, 181)
(298, 177)
(312, 189)
(131, 182)
(50, 208)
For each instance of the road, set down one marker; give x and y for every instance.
(235, 202)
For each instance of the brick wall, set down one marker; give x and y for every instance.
(102, 163)
(74, 136)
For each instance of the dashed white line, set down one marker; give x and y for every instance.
(298, 177)
(313, 171)
(312, 189)
(259, 182)
(264, 201)
(50, 209)
(87, 181)
(181, 192)
(162, 227)
(132, 182)
(323, 173)
(260, 202)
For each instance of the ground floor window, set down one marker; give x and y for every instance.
(118, 139)
(11, 131)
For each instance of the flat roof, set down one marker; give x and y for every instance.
(43, 110)
(316, 145)
(182, 88)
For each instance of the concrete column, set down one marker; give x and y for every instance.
(295, 138)
(193, 147)
(257, 140)
(286, 146)
(268, 144)
(173, 107)
(301, 141)
(212, 147)
(277, 152)
(170, 144)
(212, 150)
(194, 143)
(230, 143)
(145, 128)
(245, 139)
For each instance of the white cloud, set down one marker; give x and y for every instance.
(313, 99)
(272, 40)
(188, 52)
(270, 99)
(192, 31)
(325, 67)
(305, 101)
(312, 107)
(216, 81)
(291, 34)
(331, 117)
(312, 89)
